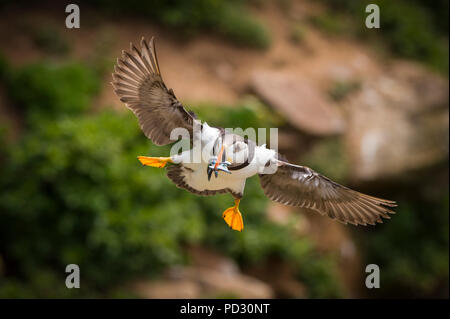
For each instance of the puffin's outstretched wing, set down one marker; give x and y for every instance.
(301, 186)
(139, 84)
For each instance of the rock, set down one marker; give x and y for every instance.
(397, 123)
(166, 289)
(284, 283)
(284, 215)
(206, 258)
(429, 89)
(218, 283)
(200, 282)
(278, 213)
(301, 103)
(286, 140)
(210, 275)
(224, 71)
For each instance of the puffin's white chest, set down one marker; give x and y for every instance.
(196, 176)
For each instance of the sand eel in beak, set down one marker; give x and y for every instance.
(138, 83)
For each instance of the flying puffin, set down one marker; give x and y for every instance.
(137, 81)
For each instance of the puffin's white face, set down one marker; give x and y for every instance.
(237, 153)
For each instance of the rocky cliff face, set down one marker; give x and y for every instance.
(395, 122)
(398, 123)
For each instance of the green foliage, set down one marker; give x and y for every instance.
(412, 251)
(410, 33)
(89, 202)
(412, 29)
(227, 18)
(331, 23)
(243, 29)
(46, 90)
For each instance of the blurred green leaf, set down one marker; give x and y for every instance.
(230, 19)
(47, 90)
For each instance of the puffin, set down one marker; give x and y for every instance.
(214, 160)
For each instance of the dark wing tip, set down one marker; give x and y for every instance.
(191, 113)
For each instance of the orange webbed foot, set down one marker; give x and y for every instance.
(233, 217)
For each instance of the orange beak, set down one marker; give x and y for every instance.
(219, 157)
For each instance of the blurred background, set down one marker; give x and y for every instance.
(366, 107)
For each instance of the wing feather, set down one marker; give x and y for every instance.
(137, 81)
(302, 187)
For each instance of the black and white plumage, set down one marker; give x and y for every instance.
(139, 84)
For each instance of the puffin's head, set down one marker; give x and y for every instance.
(237, 153)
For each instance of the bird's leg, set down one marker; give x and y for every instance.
(233, 217)
(159, 162)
